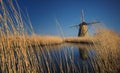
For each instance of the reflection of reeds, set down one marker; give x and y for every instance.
(20, 53)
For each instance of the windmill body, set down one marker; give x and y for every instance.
(83, 29)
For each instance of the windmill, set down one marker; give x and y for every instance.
(83, 26)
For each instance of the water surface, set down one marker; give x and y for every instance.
(67, 58)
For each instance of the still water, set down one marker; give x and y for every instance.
(67, 58)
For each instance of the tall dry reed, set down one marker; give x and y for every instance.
(20, 53)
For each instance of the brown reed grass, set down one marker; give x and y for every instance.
(18, 55)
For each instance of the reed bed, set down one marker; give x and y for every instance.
(23, 53)
(108, 51)
(46, 40)
(83, 40)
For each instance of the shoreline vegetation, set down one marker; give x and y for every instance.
(45, 40)
(54, 40)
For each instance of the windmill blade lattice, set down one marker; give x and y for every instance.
(94, 22)
(74, 26)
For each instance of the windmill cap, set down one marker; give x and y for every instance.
(84, 23)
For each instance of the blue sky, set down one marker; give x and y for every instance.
(43, 13)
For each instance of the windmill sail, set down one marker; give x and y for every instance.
(94, 22)
(83, 26)
(74, 26)
(82, 16)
